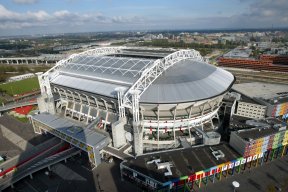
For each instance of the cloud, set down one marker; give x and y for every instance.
(60, 18)
(25, 1)
(258, 14)
(264, 13)
(120, 19)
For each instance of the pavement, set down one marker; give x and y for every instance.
(7, 148)
(269, 177)
(24, 130)
(74, 176)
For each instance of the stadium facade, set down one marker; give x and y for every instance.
(154, 99)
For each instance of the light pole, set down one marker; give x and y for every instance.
(235, 185)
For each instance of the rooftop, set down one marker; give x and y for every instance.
(63, 125)
(271, 93)
(183, 162)
(256, 133)
(238, 53)
(187, 80)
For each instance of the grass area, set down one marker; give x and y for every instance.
(23, 119)
(19, 87)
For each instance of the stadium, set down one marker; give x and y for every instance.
(151, 98)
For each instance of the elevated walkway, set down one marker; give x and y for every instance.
(28, 170)
(16, 105)
(118, 153)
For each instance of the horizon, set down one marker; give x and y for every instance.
(212, 30)
(34, 17)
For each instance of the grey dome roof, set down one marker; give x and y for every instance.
(187, 81)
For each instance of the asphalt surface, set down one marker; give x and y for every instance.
(8, 148)
(269, 177)
(24, 130)
(76, 175)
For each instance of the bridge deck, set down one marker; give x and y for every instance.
(36, 166)
(118, 153)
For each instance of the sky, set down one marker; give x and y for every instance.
(30, 17)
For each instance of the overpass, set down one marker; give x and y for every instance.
(118, 153)
(42, 164)
(16, 105)
(44, 59)
(32, 101)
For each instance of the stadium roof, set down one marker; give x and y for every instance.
(187, 80)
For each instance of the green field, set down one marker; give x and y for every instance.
(19, 87)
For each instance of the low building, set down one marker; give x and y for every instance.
(265, 62)
(190, 169)
(21, 77)
(273, 96)
(264, 137)
(246, 107)
(238, 53)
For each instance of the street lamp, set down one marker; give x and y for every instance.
(235, 185)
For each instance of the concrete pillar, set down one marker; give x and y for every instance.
(88, 114)
(138, 138)
(46, 104)
(118, 133)
(212, 125)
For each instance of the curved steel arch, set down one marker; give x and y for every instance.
(44, 79)
(131, 97)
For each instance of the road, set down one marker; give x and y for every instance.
(263, 178)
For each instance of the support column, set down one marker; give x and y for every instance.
(81, 106)
(189, 125)
(137, 129)
(202, 112)
(89, 108)
(283, 150)
(158, 126)
(107, 113)
(174, 119)
(135, 105)
(121, 108)
(138, 138)
(97, 105)
(46, 100)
